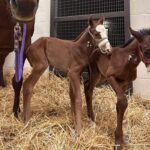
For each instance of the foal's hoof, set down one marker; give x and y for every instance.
(119, 144)
(75, 135)
(2, 84)
(92, 124)
(19, 110)
(16, 113)
(92, 117)
(122, 142)
(118, 147)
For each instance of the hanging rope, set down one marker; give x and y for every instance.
(18, 37)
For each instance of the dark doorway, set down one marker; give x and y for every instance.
(69, 18)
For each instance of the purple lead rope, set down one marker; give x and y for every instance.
(19, 56)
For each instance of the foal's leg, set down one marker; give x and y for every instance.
(2, 60)
(120, 107)
(28, 88)
(88, 88)
(74, 76)
(72, 99)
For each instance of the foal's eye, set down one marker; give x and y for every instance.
(147, 54)
(97, 34)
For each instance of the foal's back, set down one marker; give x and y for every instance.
(57, 52)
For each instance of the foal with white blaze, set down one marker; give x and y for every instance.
(69, 56)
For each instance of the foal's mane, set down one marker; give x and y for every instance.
(145, 32)
(78, 37)
(127, 43)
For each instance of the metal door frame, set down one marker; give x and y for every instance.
(54, 18)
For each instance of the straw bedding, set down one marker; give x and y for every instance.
(51, 125)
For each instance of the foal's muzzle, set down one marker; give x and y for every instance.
(104, 46)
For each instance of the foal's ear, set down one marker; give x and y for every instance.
(101, 20)
(91, 22)
(136, 34)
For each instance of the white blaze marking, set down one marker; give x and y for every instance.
(103, 33)
(148, 68)
(101, 29)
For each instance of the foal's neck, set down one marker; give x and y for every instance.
(85, 44)
(134, 51)
(83, 38)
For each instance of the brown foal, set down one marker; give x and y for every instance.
(119, 69)
(69, 56)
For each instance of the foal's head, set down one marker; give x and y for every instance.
(99, 34)
(143, 38)
(24, 10)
